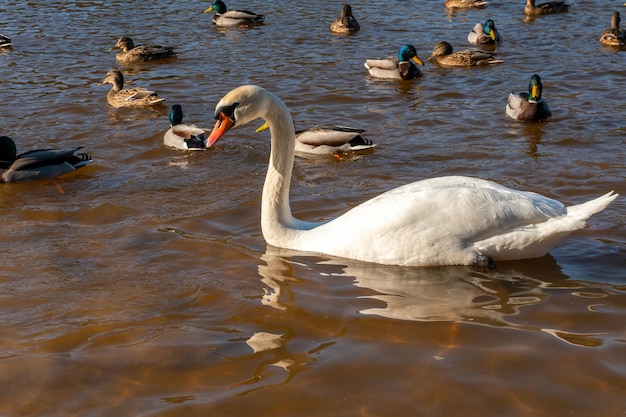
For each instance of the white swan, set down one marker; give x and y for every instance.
(439, 221)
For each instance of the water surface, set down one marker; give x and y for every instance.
(141, 284)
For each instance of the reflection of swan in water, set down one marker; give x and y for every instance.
(447, 294)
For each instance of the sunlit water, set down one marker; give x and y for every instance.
(141, 284)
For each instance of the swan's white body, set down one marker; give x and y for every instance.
(439, 221)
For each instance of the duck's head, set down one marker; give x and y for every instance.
(238, 107)
(408, 53)
(489, 29)
(535, 88)
(346, 10)
(124, 43)
(8, 150)
(114, 77)
(218, 7)
(615, 19)
(176, 115)
(441, 49)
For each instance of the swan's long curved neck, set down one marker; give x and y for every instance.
(277, 222)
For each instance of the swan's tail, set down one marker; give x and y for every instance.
(582, 212)
(536, 240)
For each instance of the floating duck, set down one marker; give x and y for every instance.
(5, 41)
(140, 53)
(118, 96)
(439, 221)
(444, 56)
(465, 4)
(528, 106)
(182, 136)
(227, 18)
(485, 34)
(613, 36)
(401, 68)
(346, 23)
(545, 8)
(329, 140)
(37, 164)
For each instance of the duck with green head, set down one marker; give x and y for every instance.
(183, 136)
(229, 18)
(485, 34)
(329, 140)
(401, 68)
(37, 164)
(527, 107)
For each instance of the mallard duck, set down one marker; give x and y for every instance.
(465, 4)
(329, 140)
(182, 136)
(613, 36)
(118, 96)
(545, 8)
(5, 41)
(484, 33)
(37, 164)
(444, 56)
(140, 53)
(438, 221)
(346, 23)
(401, 68)
(225, 18)
(528, 106)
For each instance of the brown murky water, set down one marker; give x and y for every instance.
(146, 289)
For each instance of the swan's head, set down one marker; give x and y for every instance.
(240, 106)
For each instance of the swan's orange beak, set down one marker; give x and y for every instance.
(223, 124)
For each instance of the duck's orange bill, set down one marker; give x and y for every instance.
(223, 124)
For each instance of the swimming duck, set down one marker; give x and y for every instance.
(484, 33)
(182, 136)
(118, 96)
(37, 164)
(5, 41)
(439, 221)
(140, 53)
(401, 68)
(346, 23)
(465, 4)
(328, 140)
(614, 36)
(528, 106)
(545, 8)
(444, 56)
(225, 18)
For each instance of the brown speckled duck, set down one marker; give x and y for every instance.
(346, 23)
(465, 4)
(140, 53)
(545, 8)
(444, 56)
(613, 36)
(119, 96)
